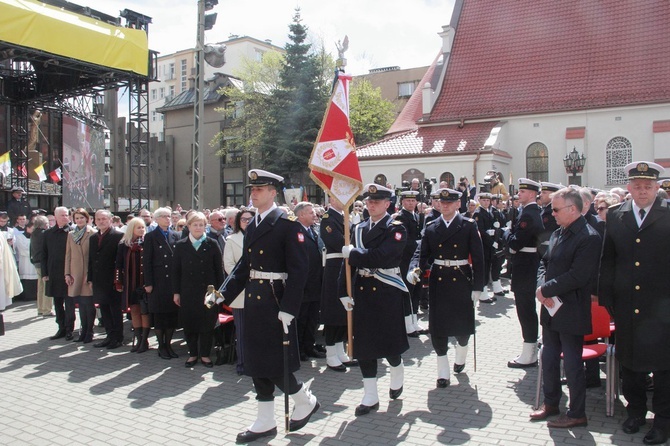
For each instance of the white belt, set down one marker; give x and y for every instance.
(256, 275)
(527, 249)
(364, 272)
(451, 262)
(337, 255)
(545, 243)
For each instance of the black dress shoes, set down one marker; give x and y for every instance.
(458, 368)
(517, 365)
(79, 339)
(296, 425)
(442, 383)
(338, 368)
(489, 300)
(313, 353)
(209, 364)
(59, 334)
(248, 436)
(114, 344)
(395, 394)
(320, 348)
(414, 334)
(191, 363)
(632, 425)
(69, 336)
(364, 410)
(655, 436)
(172, 352)
(104, 343)
(352, 363)
(566, 422)
(163, 353)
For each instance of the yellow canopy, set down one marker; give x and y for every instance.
(32, 24)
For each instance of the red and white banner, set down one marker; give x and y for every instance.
(333, 163)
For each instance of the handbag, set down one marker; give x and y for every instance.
(143, 299)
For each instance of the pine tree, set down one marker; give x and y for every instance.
(297, 108)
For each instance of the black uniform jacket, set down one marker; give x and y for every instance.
(413, 222)
(379, 324)
(525, 234)
(277, 246)
(450, 294)
(568, 271)
(332, 234)
(101, 264)
(157, 258)
(635, 282)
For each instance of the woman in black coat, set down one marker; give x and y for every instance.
(159, 247)
(197, 263)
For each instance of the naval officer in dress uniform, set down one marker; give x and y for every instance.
(379, 328)
(454, 247)
(413, 222)
(547, 214)
(272, 272)
(333, 316)
(634, 284)
(523, 240)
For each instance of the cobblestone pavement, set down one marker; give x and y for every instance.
(57, 392)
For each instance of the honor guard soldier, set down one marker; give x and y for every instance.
(453, 245)
(435, 212)
(633, 285)
(483, 217)
(333, 316)
(522, 241)
(413, 222)
(548, 220)
(377, 288)
(272, 272)
(498, 248)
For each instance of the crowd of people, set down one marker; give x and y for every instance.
(281, 273)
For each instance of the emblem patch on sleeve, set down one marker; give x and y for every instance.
(398, 236)
(301, 237)
(329, 229)
(523, 225)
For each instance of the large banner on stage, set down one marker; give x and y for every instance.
(83, 165)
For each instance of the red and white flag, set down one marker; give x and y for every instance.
(56, 175)
(333, 163)
(22, 170)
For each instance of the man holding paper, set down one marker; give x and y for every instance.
(564, 288)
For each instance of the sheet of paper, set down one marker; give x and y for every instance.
(557, 304)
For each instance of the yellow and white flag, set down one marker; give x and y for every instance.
(40, 172)
(5, 164)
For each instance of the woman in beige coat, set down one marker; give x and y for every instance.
(76, 272)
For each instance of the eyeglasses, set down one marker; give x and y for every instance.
(219, 219)
(601, 208)
(180, 226)
(246, 219)
(557, 210)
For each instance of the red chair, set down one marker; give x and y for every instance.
(600, 324)
(224, 336)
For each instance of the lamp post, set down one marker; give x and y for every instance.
(574, 164)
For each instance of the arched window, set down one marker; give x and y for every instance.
(449, 178)
(537, 162)
(381, 180)
(618, 153)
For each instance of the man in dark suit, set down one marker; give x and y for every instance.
(522, 241)
(454, 248)
(483, 217)
(17, 205)
(272, 272)
(103, 247)
(413, 222)
(308, 319)
(53, 273)
(565, 276)
(633, 285)
(377, 289)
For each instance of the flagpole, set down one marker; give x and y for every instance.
(347, 271)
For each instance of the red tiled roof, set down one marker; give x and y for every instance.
(430, 140)
(413, 110)
(528, 56)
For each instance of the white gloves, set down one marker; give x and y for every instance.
(491, 232)
(414, 276)
(347, 302)
(475, 296)
(346, 249)
(285, 319)
(508, 225)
